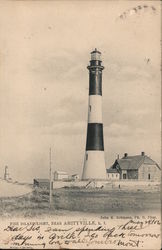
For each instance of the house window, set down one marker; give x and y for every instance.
(149, 176)
(124, 176)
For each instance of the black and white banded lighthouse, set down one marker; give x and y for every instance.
(94, 162)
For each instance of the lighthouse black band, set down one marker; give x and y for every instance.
(95, 137)
(95, 83)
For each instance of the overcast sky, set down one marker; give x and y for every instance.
(44, 51)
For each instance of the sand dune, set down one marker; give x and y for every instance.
(8, 189)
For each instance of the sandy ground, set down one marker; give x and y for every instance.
(8, 189)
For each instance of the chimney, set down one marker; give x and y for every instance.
(126, 154)
(143, 153)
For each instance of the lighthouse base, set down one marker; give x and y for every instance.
(94, 166)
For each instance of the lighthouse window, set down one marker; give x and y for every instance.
(90, 108)
(86, 157)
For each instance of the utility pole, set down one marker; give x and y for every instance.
(50, 179)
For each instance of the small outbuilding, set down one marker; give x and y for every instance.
(113, 174)
(74, 177)
(42, 183)
(60, 176)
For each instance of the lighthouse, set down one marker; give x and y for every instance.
(6, 174)
(94, 161)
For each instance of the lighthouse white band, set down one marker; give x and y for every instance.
(94, 165)
(95, 109)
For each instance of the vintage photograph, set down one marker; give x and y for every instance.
(80, 115)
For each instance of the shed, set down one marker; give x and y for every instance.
(60, 175)
(42, 183)
(74, 177)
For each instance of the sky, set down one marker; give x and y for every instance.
(44, 52)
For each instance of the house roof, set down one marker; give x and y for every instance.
(42, 180)
(112, 170)
(133, 162)
(60, 172)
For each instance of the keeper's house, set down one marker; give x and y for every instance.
(138, 167)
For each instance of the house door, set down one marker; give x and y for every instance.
(124, 176)
(149, 176)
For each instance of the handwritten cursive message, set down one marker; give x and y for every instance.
(104, 232)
